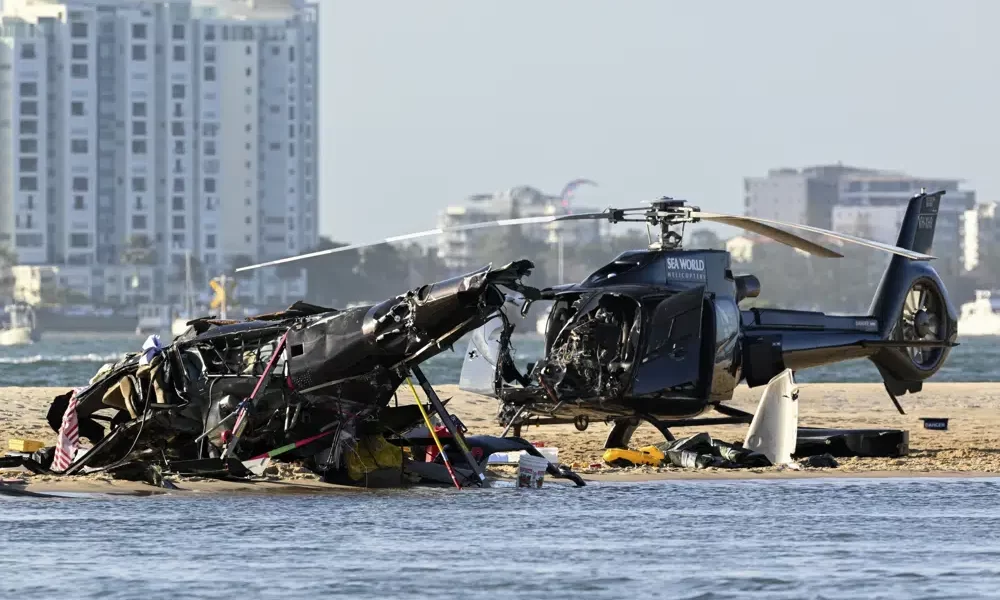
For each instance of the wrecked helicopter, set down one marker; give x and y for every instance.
(657, 335)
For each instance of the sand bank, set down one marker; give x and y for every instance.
(971, 446)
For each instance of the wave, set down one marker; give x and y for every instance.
(55, 358)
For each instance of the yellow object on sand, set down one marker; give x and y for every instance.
(624, 457)
(19, 445)
(372, 452)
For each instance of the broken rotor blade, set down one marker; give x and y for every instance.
(608, 214)
(778, 235)
(749, 223)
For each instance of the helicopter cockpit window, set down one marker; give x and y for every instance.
(622, 264)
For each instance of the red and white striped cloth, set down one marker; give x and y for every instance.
(69, 437)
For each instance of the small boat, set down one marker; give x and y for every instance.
(981, 316)
(18, 325)
(153, 318)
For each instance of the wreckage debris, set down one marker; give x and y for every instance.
(308, 385)
(696, 452)
(815, 448)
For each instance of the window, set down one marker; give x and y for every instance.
(28, 184)
(29, 88)
(28, 165)
(76, 108)
(177, 128)
(209, 32)
(178, 203)
(29, 126)
(29, 146)
(178, 184)
(179, 54)
(138, 221)
(249, 50)
(177, 91)
(27, 51)
(178, 32)
(79, 240)
(291, 150)
(78, 30)
(78, 203)
(29, 107)
(138, 146)
(210, 186)
(291, 112)
(249, 71)
(209, 73)
(139, 31)
(178, 221)
(138, 52)
(81, 184)
(248, 220)
(179, 147)
(79, 52)
(291, 54)
(210, 241)
(79, 71)
(138, 128)
(209, 54)
(138, 184)
(138, 109)
(79, 146)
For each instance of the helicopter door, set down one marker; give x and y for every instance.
(671, 357)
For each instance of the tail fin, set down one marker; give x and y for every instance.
(912, 305)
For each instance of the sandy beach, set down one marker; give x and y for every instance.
(970, 447)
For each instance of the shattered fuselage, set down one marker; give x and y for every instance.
(334, 370)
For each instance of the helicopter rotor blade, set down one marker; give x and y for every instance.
(778, 235)
(755, 224)
(610, 214)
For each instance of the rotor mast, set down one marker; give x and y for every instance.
(668, 213)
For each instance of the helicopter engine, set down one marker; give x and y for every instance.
(590, 350)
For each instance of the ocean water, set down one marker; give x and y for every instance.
(862, 538)
(66, 360)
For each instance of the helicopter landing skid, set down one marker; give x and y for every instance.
(622, 430)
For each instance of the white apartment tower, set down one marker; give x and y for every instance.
(135, 131)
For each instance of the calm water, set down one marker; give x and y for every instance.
(72, 359)
(748, 539)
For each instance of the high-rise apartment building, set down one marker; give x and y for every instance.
(133, 132)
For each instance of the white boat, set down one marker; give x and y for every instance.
(981, 316)
(153, 318)
(17, 325)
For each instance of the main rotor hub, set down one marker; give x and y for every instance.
(666, 213)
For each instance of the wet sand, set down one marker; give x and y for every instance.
(970, 447)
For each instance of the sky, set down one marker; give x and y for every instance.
(425, 103)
